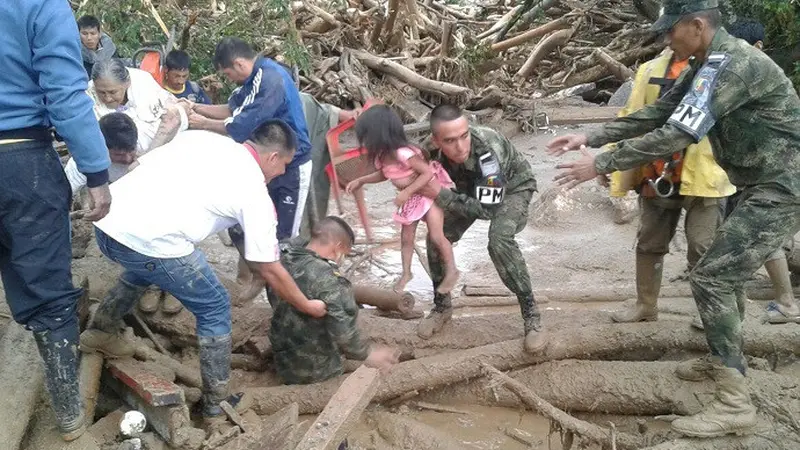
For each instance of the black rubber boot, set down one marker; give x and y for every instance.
(119, 301)
(535, 337)
(215, 369)
(59, 350)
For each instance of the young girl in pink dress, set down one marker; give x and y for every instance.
(380, 131)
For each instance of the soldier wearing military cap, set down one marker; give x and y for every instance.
(743, 102)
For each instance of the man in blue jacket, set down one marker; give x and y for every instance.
(43, 84)
(266, 92)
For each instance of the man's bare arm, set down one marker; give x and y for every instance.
(217, 112)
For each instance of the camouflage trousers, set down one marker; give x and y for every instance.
(509, 219)
(763, 220)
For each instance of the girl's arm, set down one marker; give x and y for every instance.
(424, 176)
(375, 177)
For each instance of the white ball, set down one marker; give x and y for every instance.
(133, 422)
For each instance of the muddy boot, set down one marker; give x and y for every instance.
(215, 370)
(171, 305)
(104, 333)
(59, 350)
(697, 369)
(535, 336)
(150, 301)
(731, 412)
(439, 315)
(649, 269)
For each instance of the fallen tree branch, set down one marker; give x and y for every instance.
(619, 70)
(407, 75)
(554, 25)
(500, 23)
(596, 433)
(514, 19)
(542, 49)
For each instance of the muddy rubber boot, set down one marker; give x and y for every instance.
(535, 336)
(103, 335)
(697, 369)
(649, 270)
(215, 370)
(731, 412)
(171, 305)
(150, 301)
(59, 350)
(441, 313)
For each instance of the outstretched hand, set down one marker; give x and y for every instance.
(563, 144)
(577, 172)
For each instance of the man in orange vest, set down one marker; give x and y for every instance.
(690, 180)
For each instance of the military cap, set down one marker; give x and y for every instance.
(673, 10)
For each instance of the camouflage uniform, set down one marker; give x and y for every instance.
(754, 115)
(308, 350)
(508, 217)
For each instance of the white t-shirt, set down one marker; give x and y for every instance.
(77, 180)
(147, 102)
(198, 184)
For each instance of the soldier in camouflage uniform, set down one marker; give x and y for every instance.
(740, 99)
(494, 182)
(306, 349)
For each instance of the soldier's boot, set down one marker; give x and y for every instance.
(535, 335)
(784, 309)
(649, 270)
(104, 333)
(59, 350)
(150, 301)
(731, 412)
(441, 313)
(215, 371)
(171, 305)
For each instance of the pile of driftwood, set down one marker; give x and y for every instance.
(414, 53)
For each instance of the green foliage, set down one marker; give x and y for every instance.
(130, 24)
(474, 55)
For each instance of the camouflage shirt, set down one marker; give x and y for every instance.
(756, 134)
(308, 350)
(516, 172)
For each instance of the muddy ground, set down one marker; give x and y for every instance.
(570, 243)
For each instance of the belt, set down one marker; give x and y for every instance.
(25, 134)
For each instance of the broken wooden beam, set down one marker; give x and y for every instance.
(90, 372)
(407, 75)
(342, 412)
(21, 381)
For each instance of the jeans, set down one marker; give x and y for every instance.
(190, 279)
(35, 248)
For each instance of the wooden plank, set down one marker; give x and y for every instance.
(343, 411)
(21, 381)
(573, 115)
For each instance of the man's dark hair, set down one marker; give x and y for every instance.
(230, 48)
(331, 229)
(445, 113)
(120, 132)
(88, 21)
(178, 60)
(750, 30)
(379, 129)
(276, 135)
(712, 16)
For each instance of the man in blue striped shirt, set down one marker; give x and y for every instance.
(43, 84)
(266, 92)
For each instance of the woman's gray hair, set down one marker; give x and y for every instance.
(111, 69)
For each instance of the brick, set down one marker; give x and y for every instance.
(154, 390)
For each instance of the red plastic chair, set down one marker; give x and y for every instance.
(346, 165)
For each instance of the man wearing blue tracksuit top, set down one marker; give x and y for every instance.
(267, 92)
(43, 84)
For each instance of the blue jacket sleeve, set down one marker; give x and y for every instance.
(58, 63)
(202, 97)
(268, 98)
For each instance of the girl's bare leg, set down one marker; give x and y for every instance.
(407, 236)
(435, 221)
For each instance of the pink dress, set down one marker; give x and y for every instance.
(418, 205)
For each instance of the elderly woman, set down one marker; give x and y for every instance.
(157, 114)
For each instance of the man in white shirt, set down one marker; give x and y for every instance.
(198, 184)
(120, 135)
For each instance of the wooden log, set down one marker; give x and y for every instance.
(568, 423)
(90, 371)
(21, 381)
(542, 49)
(597, 72)
(342, 412)
(500, 23)
(615, 387)
(448, 27)
(405, 432)
(617, 69)
(529, 35)
(388, 27)
(406, 75)
(631, 341)
(383, 298)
